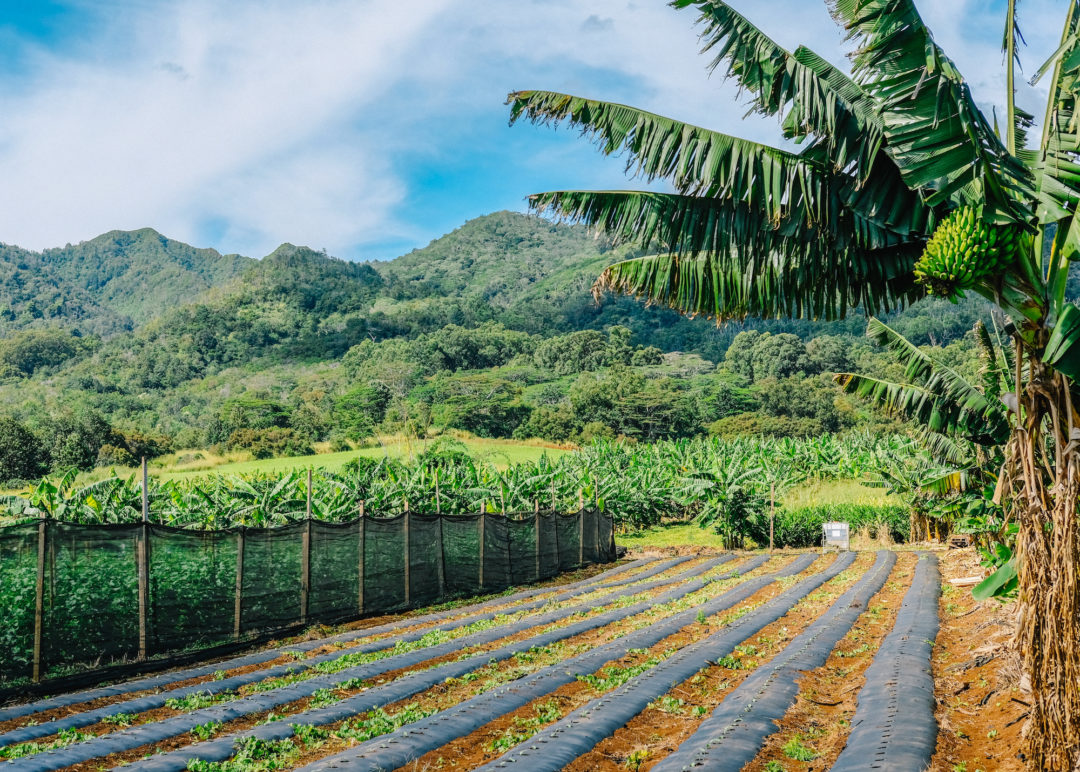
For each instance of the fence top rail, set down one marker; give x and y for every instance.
(134, 525)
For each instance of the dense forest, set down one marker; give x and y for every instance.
(132, 344)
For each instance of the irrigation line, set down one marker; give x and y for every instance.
(164, 679)
(559, 744)
(894, 725)
(157, 700)
(410, 742)
(148, 734)
(734, 733)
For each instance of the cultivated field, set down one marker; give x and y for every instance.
(720, 660)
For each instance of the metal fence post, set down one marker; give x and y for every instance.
(39, 598)
(142, 559)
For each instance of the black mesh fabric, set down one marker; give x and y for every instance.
(461, 534)
(425, 559)
(549, 546)
(497, 572)
(91, 577)
(18, 594)
(568, 530)
(272, 577)
(384, 564)
(192, 588)
(606, 527)
(91, 594)
(335, 570)
(523, 550)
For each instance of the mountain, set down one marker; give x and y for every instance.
(136, 274)
(152, 335)
(32, 296)
(109, 284)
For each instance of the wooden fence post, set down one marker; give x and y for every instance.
(408, 558)
(238, 602)
(581, 528)
(536, 536)
(482, 524)
(360, 593)
(142, 559)
(438, 498)
(596, 529)
(772, 513)
(39, 598)
(552, 494)
(305, 557)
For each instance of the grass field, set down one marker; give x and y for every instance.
(194, 463)
(690, 534)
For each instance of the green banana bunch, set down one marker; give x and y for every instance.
(964, 252)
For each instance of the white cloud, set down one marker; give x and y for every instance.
(249, 123)
(212, 110)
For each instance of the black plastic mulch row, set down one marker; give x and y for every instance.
(164, 679)
(894, 725)
(579, 732)
(734, 733)
(152, 701)
(148, 734)
(404, 745)
(222, 748)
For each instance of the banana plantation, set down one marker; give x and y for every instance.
(714, 481)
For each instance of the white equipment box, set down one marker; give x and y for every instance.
(835, 535)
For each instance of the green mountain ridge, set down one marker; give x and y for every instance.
(490, 329)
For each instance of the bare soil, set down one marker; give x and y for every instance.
(477, 748)
(981, 706)
(821, 717)
(666, 724)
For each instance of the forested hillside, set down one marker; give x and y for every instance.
(132, 344)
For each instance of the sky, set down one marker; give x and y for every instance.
(367, 127)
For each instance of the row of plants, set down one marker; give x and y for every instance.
(725, 484)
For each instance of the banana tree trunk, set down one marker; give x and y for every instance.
(1045, 465)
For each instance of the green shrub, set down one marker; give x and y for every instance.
(801, 527)
(269, 443)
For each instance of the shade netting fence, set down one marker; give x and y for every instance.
(88, 595)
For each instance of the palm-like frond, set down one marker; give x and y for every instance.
(933, 395)
(810, 96)
(937, 136)
(726, 261)
(815, 100)
(697, 161)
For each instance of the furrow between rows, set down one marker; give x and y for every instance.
(163, 680)
(147, 734)
(894, 725)
(406, 687)
(231, 683)
(559, 744)
(414, 740)
(734, 732)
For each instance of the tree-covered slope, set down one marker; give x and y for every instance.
(33, 296)
(140, 273)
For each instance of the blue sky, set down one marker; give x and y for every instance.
(366, 127)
